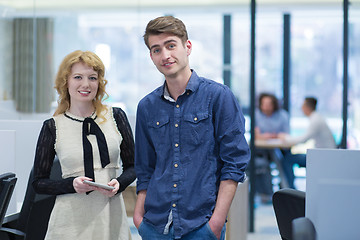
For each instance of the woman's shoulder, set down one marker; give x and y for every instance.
(49, 122)
(283, 112)
(117, 110)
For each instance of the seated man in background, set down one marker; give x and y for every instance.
(318, 130)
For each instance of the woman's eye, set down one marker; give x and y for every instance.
(77, 77)
(93, 78)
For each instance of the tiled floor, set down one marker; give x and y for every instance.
(265, 224)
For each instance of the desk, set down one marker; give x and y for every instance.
(272, 143)
(274, 146)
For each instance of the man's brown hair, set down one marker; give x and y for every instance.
(166, 24)
(311, 103)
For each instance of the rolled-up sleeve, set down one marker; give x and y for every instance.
(229, 129)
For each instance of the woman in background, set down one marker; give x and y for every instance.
(89, 139)
(271, 120)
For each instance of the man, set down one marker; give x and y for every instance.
(189, 143)
(318, 130)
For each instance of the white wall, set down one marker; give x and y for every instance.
(18, 140)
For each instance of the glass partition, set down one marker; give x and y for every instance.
(33, 49)
(353, 138)
(317, 43)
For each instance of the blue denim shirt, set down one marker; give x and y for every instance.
(184, 149)
(276, 123)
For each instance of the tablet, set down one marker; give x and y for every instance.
(107, 187)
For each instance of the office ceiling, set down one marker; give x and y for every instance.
(143, 4)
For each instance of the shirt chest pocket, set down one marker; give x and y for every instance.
(196, 127)
(159, 129)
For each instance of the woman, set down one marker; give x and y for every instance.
(270, 120)
(88, 138)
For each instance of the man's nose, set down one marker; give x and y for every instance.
(165, 54)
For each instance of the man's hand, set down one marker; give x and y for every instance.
(226, 194)
(216, 226)
(139, 210)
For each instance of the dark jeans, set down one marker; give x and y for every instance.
(288, 165)
(263, 183)
(147, 232)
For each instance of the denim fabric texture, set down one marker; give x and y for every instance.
(148, 232)
(184, 149)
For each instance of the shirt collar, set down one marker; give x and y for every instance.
(167, 94)
(192, 86)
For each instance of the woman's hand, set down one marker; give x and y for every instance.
(283, 136)
(81, 187)
(110, 193)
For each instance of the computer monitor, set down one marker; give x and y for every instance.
(333, 193)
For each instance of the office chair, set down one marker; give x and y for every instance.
(288, 204)
(32, 220)
(303, 229)
(7, 185)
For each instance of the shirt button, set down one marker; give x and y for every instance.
(176, 145)
(174, 205)
(187, 93)
(176, 125)
(195, 118)
(157, 123)
(175, 185)
(177, 105)
(176, 165)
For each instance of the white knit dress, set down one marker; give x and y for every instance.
(92, 216)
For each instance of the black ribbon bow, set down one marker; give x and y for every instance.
(90, 127)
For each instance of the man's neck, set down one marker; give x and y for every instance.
(177, 85)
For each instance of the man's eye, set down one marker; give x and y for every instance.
(171, 46)
(156, 51)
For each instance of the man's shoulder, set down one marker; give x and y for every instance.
(212, 85)
(152, 96)
(317, 117)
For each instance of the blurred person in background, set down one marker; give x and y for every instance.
(270, 121)
(317, 130)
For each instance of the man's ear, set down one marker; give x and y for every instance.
(188, 46)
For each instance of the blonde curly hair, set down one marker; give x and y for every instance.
(61, 81)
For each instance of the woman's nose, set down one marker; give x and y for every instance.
(85, 82)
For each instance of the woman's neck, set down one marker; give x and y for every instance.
(82, 110)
